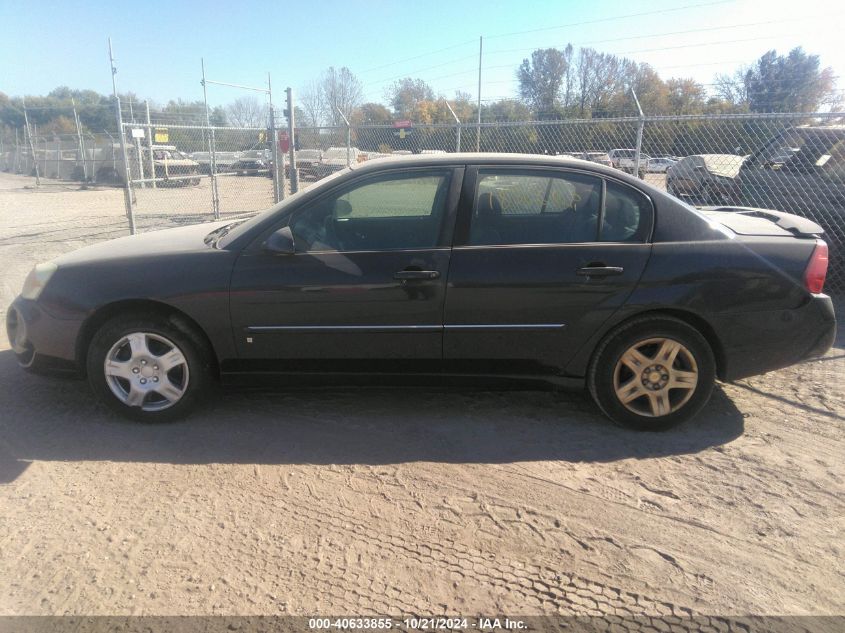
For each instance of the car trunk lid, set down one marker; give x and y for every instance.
(762, 222)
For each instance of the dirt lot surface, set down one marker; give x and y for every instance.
(398, 502)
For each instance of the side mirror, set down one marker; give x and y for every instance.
(280, 242)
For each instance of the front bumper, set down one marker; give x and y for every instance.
(757, 342)
(38, 337)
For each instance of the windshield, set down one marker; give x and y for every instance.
(237, 231)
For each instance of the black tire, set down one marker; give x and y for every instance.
(710, 195)
(670, 188)
(603, 369)
(196, 374)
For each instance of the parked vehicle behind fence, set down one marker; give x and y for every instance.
(625, 159)
(307, 161)
(600, 158)
(254, 162)
(802, 171)
(706, 178)
(172, 166)
(223, 161)
(659, 165)
(335, 159)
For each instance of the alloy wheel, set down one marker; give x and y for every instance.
(655, 377)
(146, 370)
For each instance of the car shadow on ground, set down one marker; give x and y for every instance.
(57, 419)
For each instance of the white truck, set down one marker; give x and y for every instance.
(624, 160)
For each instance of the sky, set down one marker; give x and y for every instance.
(158, 44)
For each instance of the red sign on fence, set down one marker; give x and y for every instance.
(402, 124)
(284, 141)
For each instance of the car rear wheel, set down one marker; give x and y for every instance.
(652, 373)
(671, 189)
(149, 369)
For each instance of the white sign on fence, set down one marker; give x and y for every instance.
(137, 132)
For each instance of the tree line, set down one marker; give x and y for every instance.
(553, 84)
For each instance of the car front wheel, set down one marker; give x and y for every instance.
(652, 373)
(149, 369)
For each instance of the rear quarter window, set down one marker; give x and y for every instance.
(628, 215)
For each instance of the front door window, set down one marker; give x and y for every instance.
(389, 212)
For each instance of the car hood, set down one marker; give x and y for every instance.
(155, 243)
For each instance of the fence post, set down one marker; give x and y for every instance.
(80, 147)
(17, 161)
(150, 146)
(212, 155)
(31, 144)
(127, 189)
(348, 137)
(127, 177)
(640, 126)
(58, 157)
(294, 173)
(278, 168)
(458, 126)
(140, 158)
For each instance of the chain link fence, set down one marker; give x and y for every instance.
(787, 162)
(191, 173)
(200, 172)
(89, 158)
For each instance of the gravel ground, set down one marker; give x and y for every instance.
(398, 502)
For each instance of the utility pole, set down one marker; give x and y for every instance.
(31, 144)
(127, 190)
(478, 123)
(294, 172)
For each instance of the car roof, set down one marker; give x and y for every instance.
(478, 158)
(491, 159)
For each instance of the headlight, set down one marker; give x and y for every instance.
(37, 279)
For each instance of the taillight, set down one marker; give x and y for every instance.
(816, 268)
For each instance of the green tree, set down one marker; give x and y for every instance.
(686, 96)
(405, 94)
(789, 83)
(372, 114)
(542, 79)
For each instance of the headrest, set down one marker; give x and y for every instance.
(489, 206)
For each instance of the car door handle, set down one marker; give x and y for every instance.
(600, 271)
(417, 274)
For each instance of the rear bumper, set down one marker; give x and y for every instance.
(37, 336)
(757, 342)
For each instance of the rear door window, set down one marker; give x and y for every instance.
(534, 207)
